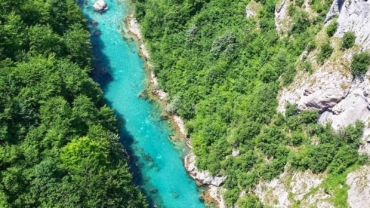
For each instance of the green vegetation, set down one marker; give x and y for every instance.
(360, 63)
(332, 28)
(325, 52)
(348, 40)
(225, 71)
(59, 143)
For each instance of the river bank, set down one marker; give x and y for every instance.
(213, 193)
(133, 29)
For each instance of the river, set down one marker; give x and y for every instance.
(156, 162)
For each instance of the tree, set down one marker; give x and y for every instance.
(325, 52)
(348, 40)
(360, 63)
(332, 28)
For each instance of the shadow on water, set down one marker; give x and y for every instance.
(101, 74)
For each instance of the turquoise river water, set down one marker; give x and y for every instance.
(156, 162)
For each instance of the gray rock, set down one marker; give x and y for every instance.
(334, 9)
(282, 20)
(202, 177)
(359, 191)
(235, 152)
(100, 5)
(354, 16)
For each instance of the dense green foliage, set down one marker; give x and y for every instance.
(348, 40)
(224, 71)
(360, 63)
(332, 28)
(325, 52)
(59, 144)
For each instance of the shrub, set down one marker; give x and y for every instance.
(250, 201)
(174, 105)
(299, 3)
(297, 138)
(325, 52)
(320, 157)
(348, 40)
(307, 66)
(360, 63)
(222, 43)
(332, 28)
(291, 110)
(311, 46)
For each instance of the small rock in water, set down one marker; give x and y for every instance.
(150, 165)
(94, 23)
(175, 195)
(97, 32)
(100, 5)
(147, 157)
(154, 191)
(164, 115)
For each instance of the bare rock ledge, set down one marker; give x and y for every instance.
(100, 5)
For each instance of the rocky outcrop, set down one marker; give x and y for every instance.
(282, 19)
(322, 90)
(202, 177)
(359, 191)
(235, 152)
(100, 5)
(352, 108)
(251, 10)
(353, 16)
(216, 193)
(341, 98)
(334, 10)
(205, 178)
(275, 193)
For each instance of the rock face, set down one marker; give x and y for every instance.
(322, 90)
(282, 20)
(100, 5)
(359, 182)
(275, 193)
(203, 177)
(353, 16)
(341, 98)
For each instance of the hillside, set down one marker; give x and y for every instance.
(59, 143)
(273, 94)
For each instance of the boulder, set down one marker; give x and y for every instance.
(94, 23)
(235, 152)
(100, 5)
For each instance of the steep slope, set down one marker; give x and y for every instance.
(225, 62)
(339, 95)
(59, 143)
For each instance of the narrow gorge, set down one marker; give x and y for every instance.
(156, 159)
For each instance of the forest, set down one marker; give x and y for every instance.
(59, 143)
(223, 72)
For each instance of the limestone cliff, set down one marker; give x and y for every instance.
(341, 98)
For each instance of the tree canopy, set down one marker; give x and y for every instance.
(58, 139)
